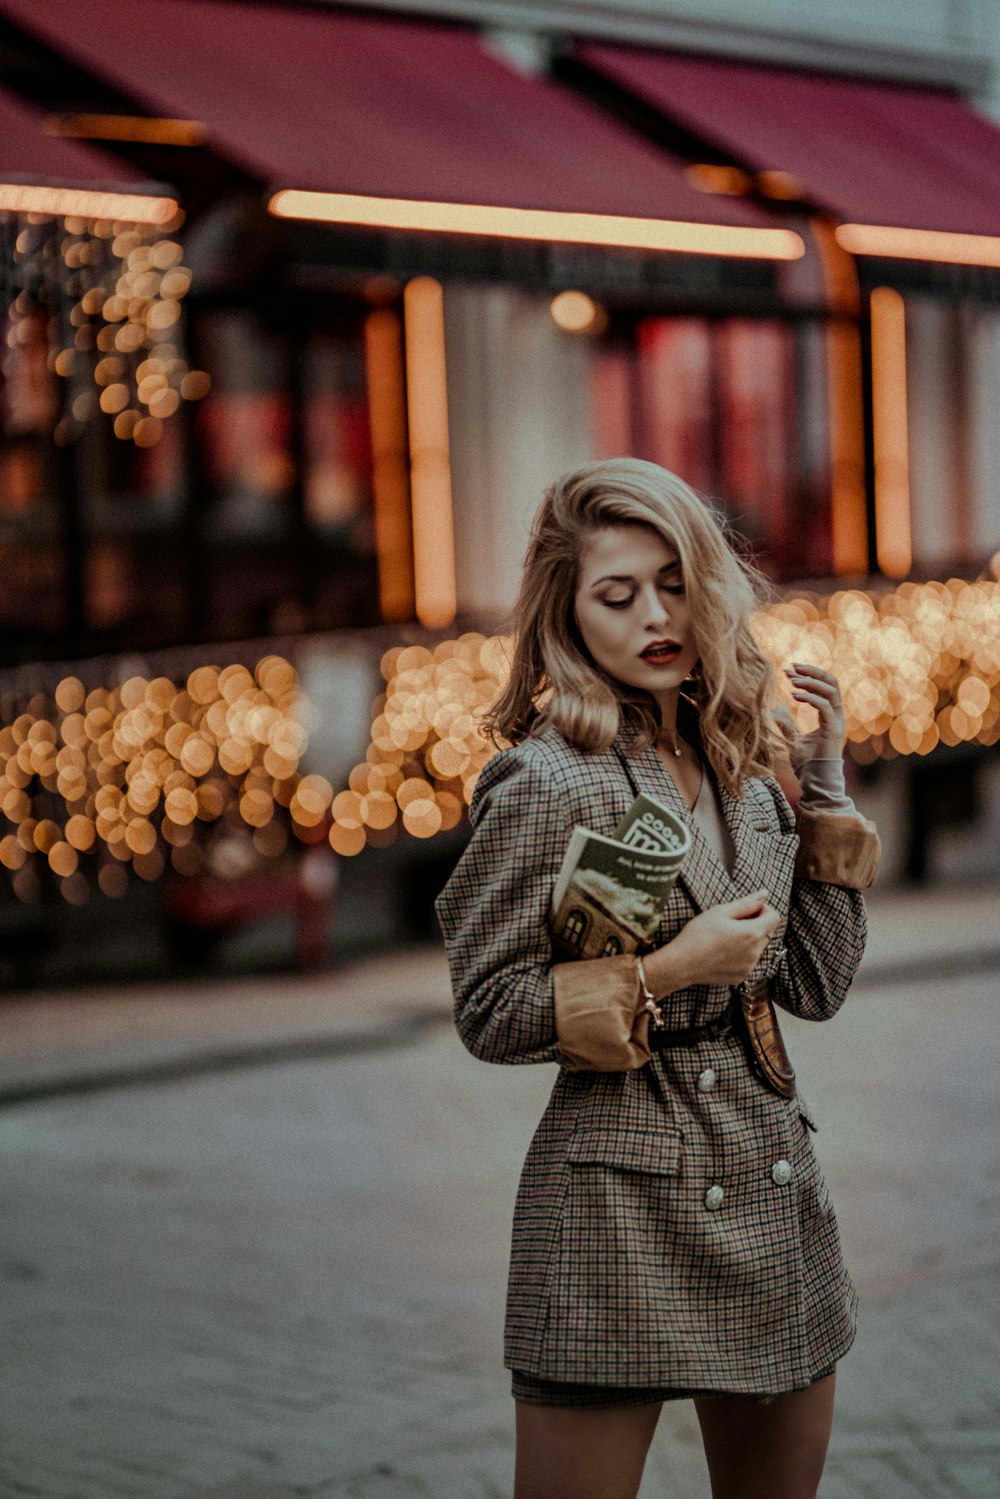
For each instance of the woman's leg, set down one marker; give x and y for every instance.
(581, 1454)
(774, 1451)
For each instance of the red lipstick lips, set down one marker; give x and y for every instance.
(661, 652)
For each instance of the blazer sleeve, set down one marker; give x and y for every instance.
(494, 912)
(827, 926)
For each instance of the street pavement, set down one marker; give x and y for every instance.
(253, 1234)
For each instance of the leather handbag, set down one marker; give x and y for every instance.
(762, 1041)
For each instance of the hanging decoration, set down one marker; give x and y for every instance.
(110, 295)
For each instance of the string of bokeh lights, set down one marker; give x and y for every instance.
(919, 666)
(106, 297)
(122, 780)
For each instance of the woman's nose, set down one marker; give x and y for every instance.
(655, 612)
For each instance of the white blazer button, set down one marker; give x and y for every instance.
(706, 1081)
(781, 1173)
(713, 1198)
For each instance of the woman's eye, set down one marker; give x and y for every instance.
(618, 603)
(675, 588)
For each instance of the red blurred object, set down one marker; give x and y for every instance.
(867, 151)
(215, 906)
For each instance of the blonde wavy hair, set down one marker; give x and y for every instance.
(555, 683)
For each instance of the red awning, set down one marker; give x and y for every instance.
(344, 103)
(27, 154)
(869, 153)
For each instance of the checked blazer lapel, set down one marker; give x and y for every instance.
(702, 875)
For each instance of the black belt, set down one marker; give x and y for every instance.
(693, 1035)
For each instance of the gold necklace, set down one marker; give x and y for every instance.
(673, 745)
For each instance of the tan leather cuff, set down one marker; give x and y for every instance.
(837, 849)
(598, 1022)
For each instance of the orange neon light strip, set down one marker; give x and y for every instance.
(849, 522)
(919, 244)
(430, 467)
(86, 203)
(893, 544)
(384, 363)
(538, 224)
(127, 128)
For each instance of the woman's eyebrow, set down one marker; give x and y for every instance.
(668, 567)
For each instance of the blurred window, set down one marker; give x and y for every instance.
(284, 432)
(736, 407)
(246, 422)
(130, 503)
(32, 598)
(338, 444)
(249, 512)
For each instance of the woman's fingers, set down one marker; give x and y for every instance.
(815, 698)
(819, 689)
(816, 677)
(814, 685)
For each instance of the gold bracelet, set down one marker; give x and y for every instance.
(650, 1004)
(647, 992)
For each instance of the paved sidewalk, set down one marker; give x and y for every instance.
(285, 1281)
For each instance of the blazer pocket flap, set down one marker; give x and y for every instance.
(654, 1152)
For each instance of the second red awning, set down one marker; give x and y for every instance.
(866, 151)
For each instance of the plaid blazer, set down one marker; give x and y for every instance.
(672, 1226)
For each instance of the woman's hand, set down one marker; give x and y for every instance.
(720, 946)
(819, 688)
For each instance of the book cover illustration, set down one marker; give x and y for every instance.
(610, 891)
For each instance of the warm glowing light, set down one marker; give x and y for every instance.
(782, 186)
(539, 224)
(195, 385)
(848, 508)
(890, 432)
(129, 284)
(430, 467)
(346, 841)
(920, 244)
(845, 401)
(139, 766)
(575, 312)
(167, 132)
(712, 177)
(918, 665)
(86, 203)
(390, 466)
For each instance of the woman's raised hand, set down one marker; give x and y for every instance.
(821, 690)
(719, 946)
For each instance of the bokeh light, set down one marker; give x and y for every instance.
(111, 295)
(117, 781)
(918, 665)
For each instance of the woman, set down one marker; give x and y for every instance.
(673, 1235)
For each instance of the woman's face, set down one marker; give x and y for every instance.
(632, 610)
